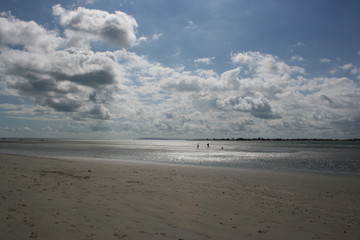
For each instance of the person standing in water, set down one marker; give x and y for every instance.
(208, 145)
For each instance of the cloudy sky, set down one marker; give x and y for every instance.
(186, 69)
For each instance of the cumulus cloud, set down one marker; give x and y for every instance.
(257, 105)
(121, 91)
(265, 73)
(98, 112)
(63, 80)
(243, 125)
(265, 64)
(231, 79)
(62, 73)
(191, 85)
(84, 25)
(28, 35)
(163, 126)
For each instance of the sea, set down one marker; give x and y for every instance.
(333, 157)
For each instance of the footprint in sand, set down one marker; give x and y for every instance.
(33, 235)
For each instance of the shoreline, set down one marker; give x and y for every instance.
(303, 158)
(50, 198)
(115, 161)
(21, 139)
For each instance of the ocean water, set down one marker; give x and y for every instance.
(341, 157)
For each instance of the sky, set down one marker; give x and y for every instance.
(125, 69)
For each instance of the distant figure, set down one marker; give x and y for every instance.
(208, 145)
(222, 148)
(197, 146)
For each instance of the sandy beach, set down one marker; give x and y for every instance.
(77, 199)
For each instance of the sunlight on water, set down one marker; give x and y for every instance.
(319, 156)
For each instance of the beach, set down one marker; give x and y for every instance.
(49, 198)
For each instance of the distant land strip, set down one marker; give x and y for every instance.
(279, 139)
(184, 139)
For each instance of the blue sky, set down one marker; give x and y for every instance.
(186, 69)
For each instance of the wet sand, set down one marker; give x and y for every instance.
(65, 199)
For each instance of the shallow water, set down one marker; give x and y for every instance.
(332, 157)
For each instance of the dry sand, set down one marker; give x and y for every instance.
(64, 199)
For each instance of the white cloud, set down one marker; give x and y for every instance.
(157, 36)
(355, 70)
(85, 25)
(245, 57)
(230, 78)
(190, 26)
(300, 44)
(47, 129)
(206, 61)
(257, 105)
(266, 66)
(324, 60)
(89, 2)
(71, 81)
(297, 59)
(18, 129)
(9, 106)
(347, 66)
(29, 35)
